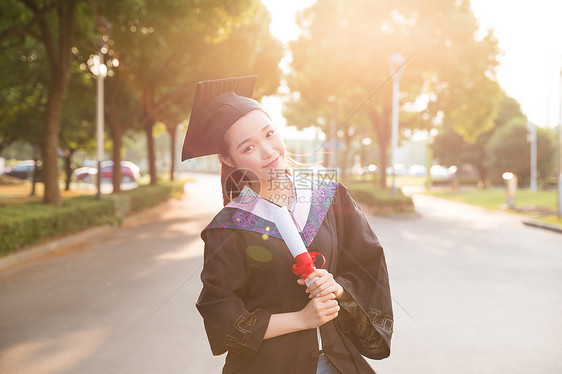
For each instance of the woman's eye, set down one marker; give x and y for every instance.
(269, 133)
(248, 148)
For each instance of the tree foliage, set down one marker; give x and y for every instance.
(77, 126)
(53, 26)
(342, 58)
(509, 150)
(449, 148)
(23, 93)
(164, 47)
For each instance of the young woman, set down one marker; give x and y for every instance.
(252, 304)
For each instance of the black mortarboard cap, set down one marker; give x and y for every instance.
(218, 104)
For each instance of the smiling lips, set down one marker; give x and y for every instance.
(272, 162)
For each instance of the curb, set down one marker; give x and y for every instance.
(77, 239)
(543, 225)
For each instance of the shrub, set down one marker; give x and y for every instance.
(148, 196)
(380, 199)
(25, 224)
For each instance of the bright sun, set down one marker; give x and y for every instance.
(283, 25)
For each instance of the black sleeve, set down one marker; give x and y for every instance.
(229, 325)
(362, 272)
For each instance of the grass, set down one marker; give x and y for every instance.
(494, 198)
(406, 180)
(540, 205)
(552, 219)
(401, 180)
(16, 194)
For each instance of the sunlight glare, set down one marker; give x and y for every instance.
(283, 25)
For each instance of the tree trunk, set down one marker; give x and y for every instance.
(383, 163)
(381, 128)
(34, 177)
(117, 102)
(482, 174)
(50, 141)
(151, 153)
(59, 57)
(68, 168)
(172, 131)
(346, 153)
(117, 146)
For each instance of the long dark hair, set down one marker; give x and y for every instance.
(232, 182)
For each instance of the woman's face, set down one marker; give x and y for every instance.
(253, 143)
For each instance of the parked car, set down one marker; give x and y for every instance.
(129, 172)
(24, 170)
(417, 170)
(399, 169)
(439, 171)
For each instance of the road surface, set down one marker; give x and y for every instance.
(474, 291)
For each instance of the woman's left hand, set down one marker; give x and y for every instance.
(324, 285)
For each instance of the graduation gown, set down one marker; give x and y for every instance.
(247, 277)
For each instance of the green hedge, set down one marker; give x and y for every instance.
(381, 200)
(146, 196)
(25, 224)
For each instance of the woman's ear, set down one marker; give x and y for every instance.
(226, 160)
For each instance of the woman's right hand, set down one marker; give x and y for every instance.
(320, 310)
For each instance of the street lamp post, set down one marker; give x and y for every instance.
(532, 138)
(101, 69)
(101, 73)
(395, 62)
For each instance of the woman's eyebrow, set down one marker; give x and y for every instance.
(248, 139)
(242, 142)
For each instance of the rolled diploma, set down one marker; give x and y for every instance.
(290, 234)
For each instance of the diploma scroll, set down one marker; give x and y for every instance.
(304, 259)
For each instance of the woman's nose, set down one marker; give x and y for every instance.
(267, 151)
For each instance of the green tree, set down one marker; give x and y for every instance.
(78, 127)
(23, 93)
(23, 97)
(187, 40)
(342, 59)
(54, 26)
(165, 47)
(122, 114)
(450, 148)
(509, 150)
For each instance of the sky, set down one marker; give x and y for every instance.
(529, 33)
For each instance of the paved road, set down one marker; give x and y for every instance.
(484, 291)
(98, 309)
(475, 291)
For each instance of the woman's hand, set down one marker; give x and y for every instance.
(324, 285)
(322, 307)
(319, 310)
